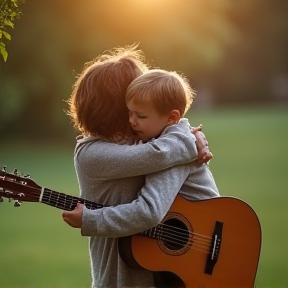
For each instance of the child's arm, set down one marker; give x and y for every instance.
(145, 212)
(103, 160)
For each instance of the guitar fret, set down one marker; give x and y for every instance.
(71, 201)
(87, 204)
(65, 202)
(152, 233)
(58, 199)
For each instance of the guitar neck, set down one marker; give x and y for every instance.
(67, 202)
(154, 232)
(64, 201)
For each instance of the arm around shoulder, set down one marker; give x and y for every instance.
(105, 160)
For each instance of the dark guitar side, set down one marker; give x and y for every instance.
(239, 253)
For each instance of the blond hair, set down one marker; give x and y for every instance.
(97, 103)
(166, 90)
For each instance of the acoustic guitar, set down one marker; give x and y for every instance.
(208, 243)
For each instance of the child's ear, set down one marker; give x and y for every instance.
(174, 117)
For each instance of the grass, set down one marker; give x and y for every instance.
(37, 249)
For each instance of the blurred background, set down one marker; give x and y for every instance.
(235, 54)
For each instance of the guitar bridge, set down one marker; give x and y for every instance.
(214, 248)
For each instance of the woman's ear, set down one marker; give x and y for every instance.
(173, 117)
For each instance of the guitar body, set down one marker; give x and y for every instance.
(238, 255)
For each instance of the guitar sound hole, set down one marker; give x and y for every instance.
(175, 234)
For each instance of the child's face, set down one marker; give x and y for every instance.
(145, 120)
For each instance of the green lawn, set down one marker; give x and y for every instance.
(37, 249)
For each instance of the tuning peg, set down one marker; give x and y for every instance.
(27, 176)
(15, 171)
(4, 168)
(17, 203)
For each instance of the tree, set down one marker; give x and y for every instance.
(9, 11)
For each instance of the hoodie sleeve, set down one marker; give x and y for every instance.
(104, 160)
(147, 211)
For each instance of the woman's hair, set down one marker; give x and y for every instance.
(97, 103)
(167, 91)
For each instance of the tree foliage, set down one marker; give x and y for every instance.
(9, 11)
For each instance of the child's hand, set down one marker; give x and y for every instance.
(196, 129)
(204, 154)
(74, 217)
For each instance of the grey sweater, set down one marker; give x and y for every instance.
(113, 174)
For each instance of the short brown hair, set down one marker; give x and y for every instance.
(97, 104)
(166, 90)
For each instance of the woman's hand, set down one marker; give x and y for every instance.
(204, 154)
(74, 218)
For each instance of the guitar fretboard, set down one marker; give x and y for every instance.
(154, 232)
(66, 202)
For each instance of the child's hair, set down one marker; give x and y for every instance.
(97, 104)
(166, 90)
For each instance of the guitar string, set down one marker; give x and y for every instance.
(183, 230)
(192, 244)
(57, 201)
(181, 238)
(74, 200)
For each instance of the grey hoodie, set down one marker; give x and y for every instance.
(144, 179)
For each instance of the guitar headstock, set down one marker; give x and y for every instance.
(18, 188)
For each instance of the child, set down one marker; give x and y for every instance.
(156, 100)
